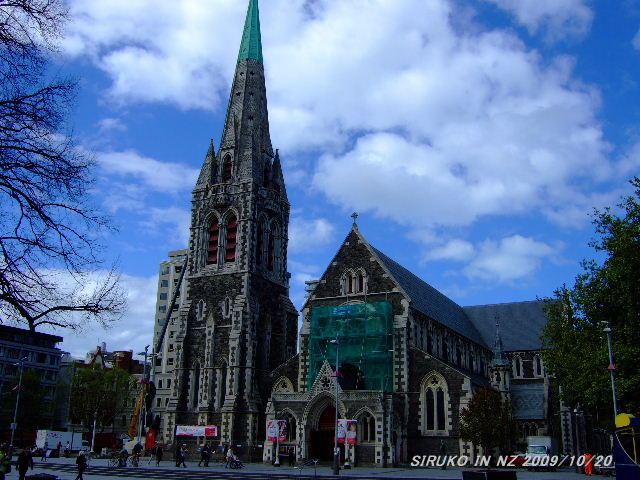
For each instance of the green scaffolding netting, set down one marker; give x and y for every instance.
(365, 332)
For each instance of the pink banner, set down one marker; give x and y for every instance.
(277, 430)
(348, 431)
(197, 430)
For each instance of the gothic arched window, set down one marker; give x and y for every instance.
(517, 367)
(266, 177)
(231, 242)
(434, 401)
(227, 169)
(366, 428)
(538, 366)
(214, 239)
(196, 386)
(272, 247)
(259, 243)
(292, 427)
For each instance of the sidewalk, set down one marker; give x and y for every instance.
(401, 472)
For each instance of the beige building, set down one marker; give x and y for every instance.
(165, 361)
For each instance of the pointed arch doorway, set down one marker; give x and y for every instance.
(321, 446)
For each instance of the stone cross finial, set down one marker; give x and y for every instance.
(355, 216)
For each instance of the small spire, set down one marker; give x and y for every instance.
(499, 357)
(355, 216)
(251, 45)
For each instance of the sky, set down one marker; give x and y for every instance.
(473, 137)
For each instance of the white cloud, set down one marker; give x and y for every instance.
(456, 249)
(164, 177)
(132, 332)
(307, 235)
(636, 41)
(171, 222)
(468, 115)
(509, 259)
(559, 18)
(111, 124)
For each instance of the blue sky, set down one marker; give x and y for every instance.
(473, 136)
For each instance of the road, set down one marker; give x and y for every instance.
(65, 469)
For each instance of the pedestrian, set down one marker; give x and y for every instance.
(59, 448)
(44, 451)
(81, 462)
(588, 464)
(209, 454)
(5, 461)
(25, 461)
(181, 456)
(158, 454)
(292, 456)
(443, 454)
(230, 457)
(203, 455)
(67, 449)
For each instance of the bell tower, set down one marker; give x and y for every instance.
(238, 322)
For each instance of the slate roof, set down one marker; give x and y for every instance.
(521, 323)
(431, 302)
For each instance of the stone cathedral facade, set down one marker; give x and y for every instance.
(236, 323)
(411, 358)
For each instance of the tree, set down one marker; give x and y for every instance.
(100, 394)
(608, 290)
(48, 229)
(488, 421)
(34, 411)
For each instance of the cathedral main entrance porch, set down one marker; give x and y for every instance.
(321, 438)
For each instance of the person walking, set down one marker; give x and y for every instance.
(158, 454)
(443, 454)
(5, 461)
(181, 456)
(81, 462)
(203, 455)
(25, 461)
(44, 452)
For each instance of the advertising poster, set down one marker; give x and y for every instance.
(347, 431)
(277, 430)
(352, 432)
(197, 430)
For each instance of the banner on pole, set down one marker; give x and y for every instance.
(277, 430)
(347, 431)
(197, 430)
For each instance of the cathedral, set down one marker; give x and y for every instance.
(409, 358)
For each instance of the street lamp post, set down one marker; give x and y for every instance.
(143, 382)
(612, 370)
(336, 450)
(15, 411)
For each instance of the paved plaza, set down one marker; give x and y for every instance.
(98, 470)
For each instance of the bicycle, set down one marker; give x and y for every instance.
(114, 461)
(236, 464)
(134, 460)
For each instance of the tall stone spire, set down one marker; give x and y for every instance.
(246, 137)
(251, 45)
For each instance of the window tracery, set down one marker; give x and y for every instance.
(434, 403)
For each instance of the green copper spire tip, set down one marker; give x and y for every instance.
(251, 46)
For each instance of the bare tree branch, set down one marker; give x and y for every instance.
(49, 233)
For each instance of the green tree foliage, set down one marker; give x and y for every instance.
(34, 411)
(608, 290)
(488, 421)
(100, 393)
